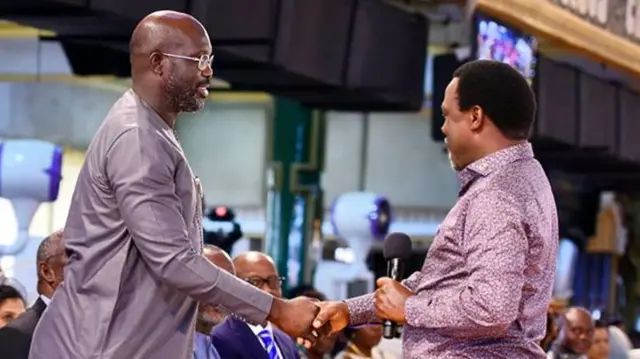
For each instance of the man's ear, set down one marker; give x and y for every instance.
(156, 63)
(477, 117)
(45, 272)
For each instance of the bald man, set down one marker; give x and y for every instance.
(15, 338)
(576, 335)
(208, 316)
(259, 270)
(134, 231)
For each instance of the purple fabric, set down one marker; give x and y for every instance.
(55, 173)
(374, 223)
(486, 282)
(332, 220)
(1, 148)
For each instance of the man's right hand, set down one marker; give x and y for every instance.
(332, 315)
(332, 318)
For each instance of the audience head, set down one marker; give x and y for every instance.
(170, 56)
(576, 330)
(600, 348)
(305, 290)
(487, 106)
(618, 323)
(325, 343)
(551, 333)
(51, 259)
(365, 337)
(619, 343)
(258, 269)
(12, 304)
(208, 316)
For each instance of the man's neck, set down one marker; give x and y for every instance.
(44, 289)
(159, 106)
(565, 352)
(204, 328)
(497, 145)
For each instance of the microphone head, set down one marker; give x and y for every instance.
(396, 245)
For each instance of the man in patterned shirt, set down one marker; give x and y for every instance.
(486, 282)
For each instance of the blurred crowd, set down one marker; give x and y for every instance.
(572, 333)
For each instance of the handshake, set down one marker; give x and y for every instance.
(308, 319)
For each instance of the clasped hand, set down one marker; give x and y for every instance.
(390, 299)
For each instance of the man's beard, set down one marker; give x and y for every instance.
(452, 163)
(211, 319)
(181, 97)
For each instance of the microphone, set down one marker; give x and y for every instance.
(396, 250)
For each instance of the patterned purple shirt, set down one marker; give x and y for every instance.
(486, 282)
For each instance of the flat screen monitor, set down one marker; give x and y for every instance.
(497, 41)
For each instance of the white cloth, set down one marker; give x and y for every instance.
(45, 299)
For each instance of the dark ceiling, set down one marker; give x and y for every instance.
(326, 53)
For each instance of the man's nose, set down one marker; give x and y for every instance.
(208, 72)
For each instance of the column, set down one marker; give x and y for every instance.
(294, 196)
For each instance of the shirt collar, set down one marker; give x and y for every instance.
(257, 329)
(45, 299)
(487, 164)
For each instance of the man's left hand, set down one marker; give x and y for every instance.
(391, 297)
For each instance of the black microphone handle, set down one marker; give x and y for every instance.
(395, 271)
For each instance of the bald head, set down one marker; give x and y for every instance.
(250, 259)
(51, 260)
(50, 246)
(576, 333)
(164, 31)
(170, 56)
(260, 270)
(219, 257)
(577, 314)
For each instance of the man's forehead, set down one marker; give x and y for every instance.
(578, 319)
(193, 46)
(259, 268)
(452, 88)
(218, 257)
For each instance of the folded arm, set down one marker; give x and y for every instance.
(496, 244)
(141, 167)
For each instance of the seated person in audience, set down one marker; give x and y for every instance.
(209, 317)
(235, 339)
(576, 335)
(619, 342)
(15, 339)
(11, 304)
(600, 348)
(552, 332)
(363, 344)
(324, 346)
